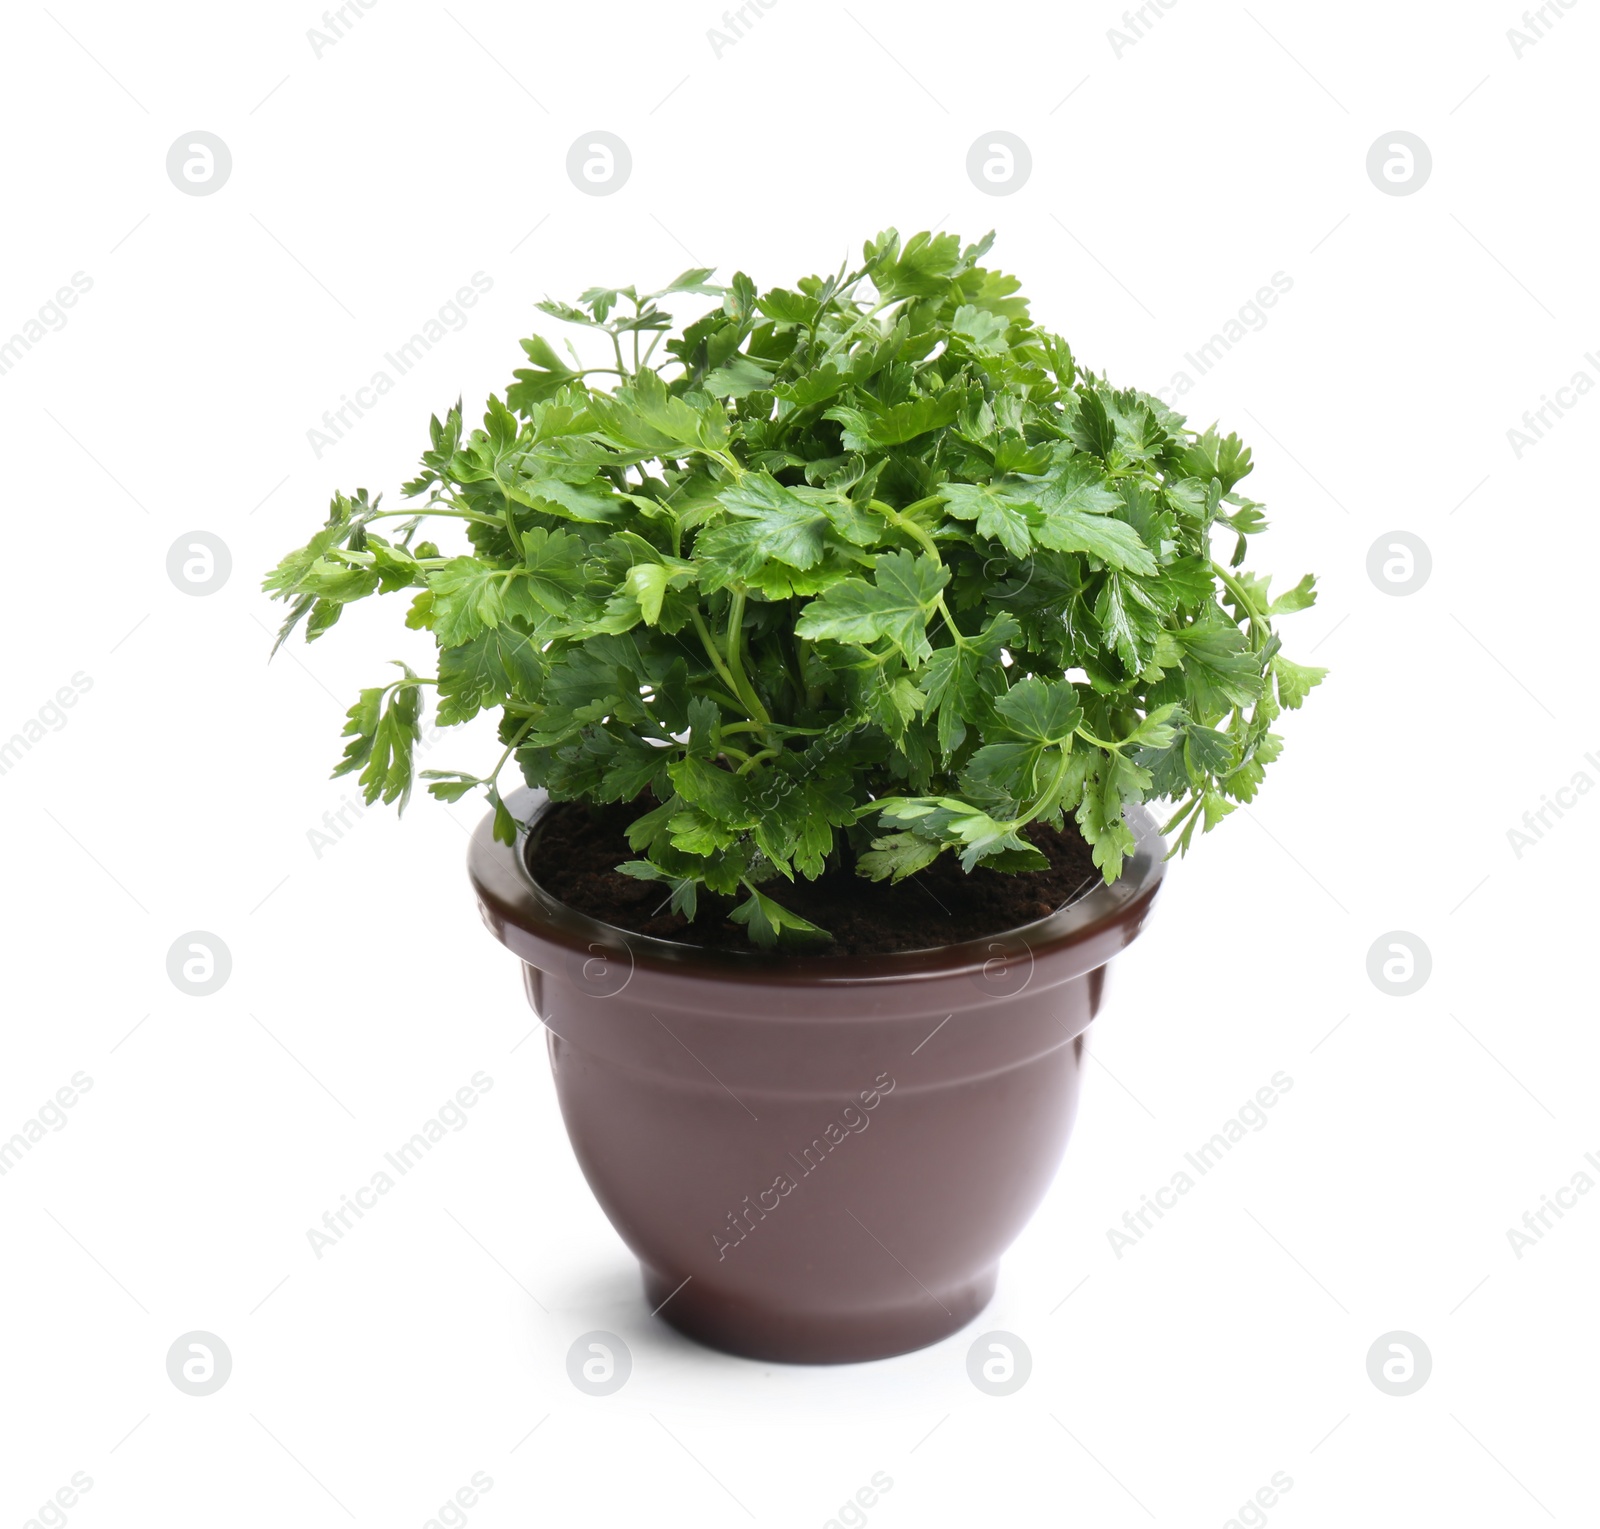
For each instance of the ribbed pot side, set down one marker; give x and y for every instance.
(815, 1159)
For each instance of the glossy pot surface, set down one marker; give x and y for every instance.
(814, 1158)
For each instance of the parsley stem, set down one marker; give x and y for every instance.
(1045, 796)
(777, 727)
(722, 698)
(511, 522)
(1258, 622)
(755, 711)
(741, 683)
(949, 620)
(753, 760)
(862, 316)
(735, 627)
(485, 520)
(898, 519)
(1183, 812)
(494, 774)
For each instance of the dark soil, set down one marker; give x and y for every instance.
(579, 847)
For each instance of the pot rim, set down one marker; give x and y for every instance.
(1082, 934)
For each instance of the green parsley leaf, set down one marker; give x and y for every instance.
(896, 605)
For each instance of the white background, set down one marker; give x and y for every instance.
(1170, 180)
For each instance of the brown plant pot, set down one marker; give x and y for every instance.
(815, 1158)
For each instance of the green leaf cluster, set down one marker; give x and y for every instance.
(861, 571)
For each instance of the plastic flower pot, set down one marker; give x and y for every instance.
(815, 1158)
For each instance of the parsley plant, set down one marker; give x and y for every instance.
(867, 569)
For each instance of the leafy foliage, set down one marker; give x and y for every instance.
(869, 569)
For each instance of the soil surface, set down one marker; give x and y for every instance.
(579, 847)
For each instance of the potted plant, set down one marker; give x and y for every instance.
(838, 647)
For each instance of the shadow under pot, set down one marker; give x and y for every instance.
(815, 1158)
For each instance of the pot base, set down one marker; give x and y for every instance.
(721, 1320)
